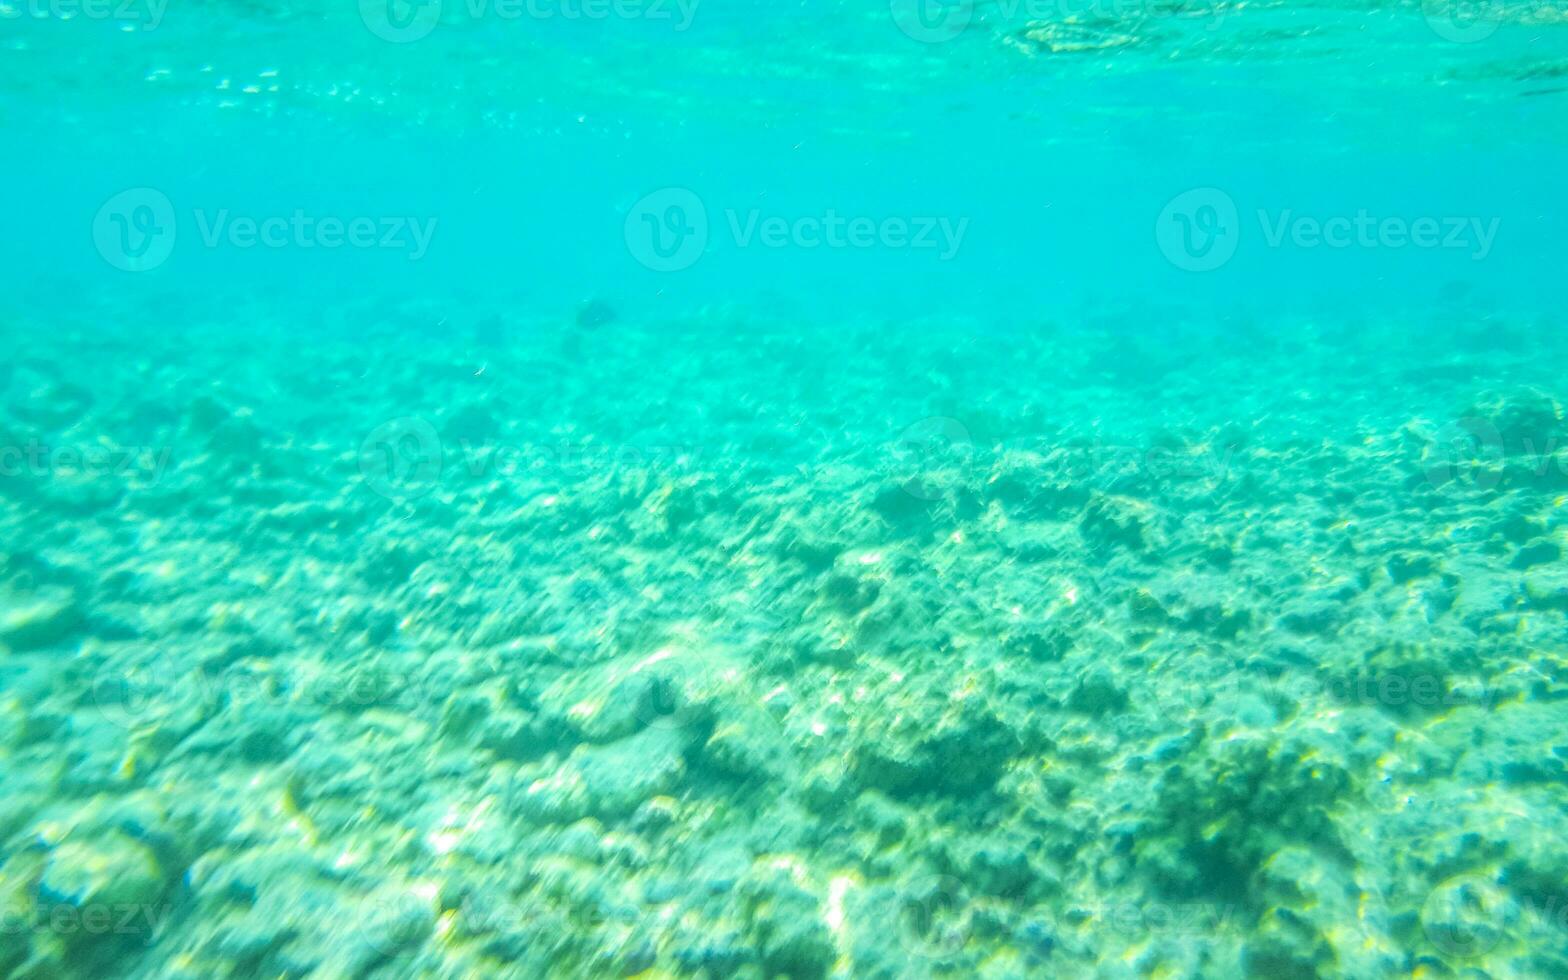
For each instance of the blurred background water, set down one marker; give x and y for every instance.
(1055, 132)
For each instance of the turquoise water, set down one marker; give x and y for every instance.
(798, 490)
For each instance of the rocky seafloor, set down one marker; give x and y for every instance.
(403, 643)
